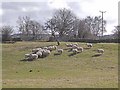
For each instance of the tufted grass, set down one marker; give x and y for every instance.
(83, 70)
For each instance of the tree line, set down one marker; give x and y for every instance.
(64, 22)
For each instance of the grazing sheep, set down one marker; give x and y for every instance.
(75, 44)
(31, 56)
(80, 49)
(45, 47)
(69, 45)
(34, 51)
(55, 47)
(39, 53)
(75, 51)
(27, 56)
(89, 45)
(51, 48)
(60, 51)
(100, 51)
(45, 53)
(74, 47)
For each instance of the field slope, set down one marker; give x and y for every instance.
(83, 70)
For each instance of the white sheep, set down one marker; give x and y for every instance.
(69, 45)
(100, 51)
(80, 49)
(75, 44)
(39, 53)
(75, 51)
(34, 51)
(51, 48)
(45, 47)
(55, 47)
(45, 53)
(27, 56)
(60, 51)
(31, 56)
(89, 45)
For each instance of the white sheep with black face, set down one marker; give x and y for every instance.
(89, 45)
(101, 51)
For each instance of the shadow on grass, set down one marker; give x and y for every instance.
(26, 60)
(72, 54)
(86, 48)
(96, 55)
(55, 54)
(32, 59)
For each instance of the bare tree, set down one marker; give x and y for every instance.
(6, 32)
(62, 21)
(95, 25)
(116, 32)
(29, 27)
(83, 30)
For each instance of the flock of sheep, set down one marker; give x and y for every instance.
(45, 51)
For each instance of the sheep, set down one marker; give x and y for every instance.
(55, 47)
(34, 51)
(101, 51)
(80, 49)
(52, 48)
(45, 47)
(39, 53)
(69, 45)
(31, 56)
(89, 45)
(75, 51)
(27, 56)
(60, 51)
(75, 44)
(45, 53)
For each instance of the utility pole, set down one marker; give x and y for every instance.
(102, 21)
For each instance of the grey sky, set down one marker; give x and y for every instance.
(44, 9)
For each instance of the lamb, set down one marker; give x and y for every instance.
(89, 45)
(80, 49)
(101, 51)
(60, 51)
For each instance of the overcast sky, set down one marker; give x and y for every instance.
(41, 10)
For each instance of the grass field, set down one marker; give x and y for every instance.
(83, 70)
